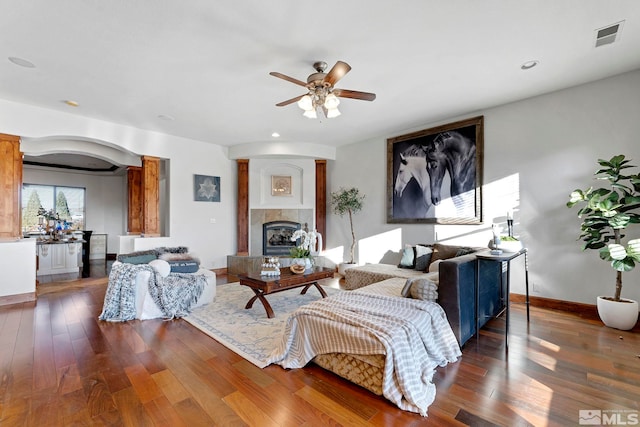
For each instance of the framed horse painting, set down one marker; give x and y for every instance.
(435, 175)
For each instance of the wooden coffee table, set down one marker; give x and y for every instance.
(265, 285)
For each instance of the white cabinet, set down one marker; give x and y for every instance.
(57, 258)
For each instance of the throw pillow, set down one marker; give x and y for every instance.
(171, 250)
(435, 266)
(465, 250)
(184, 266)
(420, 288)
(139, 257)
(424, 289)
(423, 257)
(178, 257)
(408, 257)
(441, 251)
(407, 288)
(161, 266)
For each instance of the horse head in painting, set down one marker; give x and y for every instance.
(454, 153)
(413, 165)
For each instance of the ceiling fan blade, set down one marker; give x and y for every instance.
(346, 93)
(337, 72)
(287, 78)
(289, 101)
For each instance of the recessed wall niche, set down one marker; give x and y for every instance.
(293, 197)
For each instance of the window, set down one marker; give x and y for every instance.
(63, 203)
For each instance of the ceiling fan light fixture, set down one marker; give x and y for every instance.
(305, 103)
(331, 101)
(332, 113)
(320, 91)
(310, 114)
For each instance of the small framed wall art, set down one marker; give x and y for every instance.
(280, 185)
(206, 188)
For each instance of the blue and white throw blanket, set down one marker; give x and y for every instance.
(174, 294)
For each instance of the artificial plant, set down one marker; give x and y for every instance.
(607, 212)
(348, 201)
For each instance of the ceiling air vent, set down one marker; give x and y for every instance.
(608, 34)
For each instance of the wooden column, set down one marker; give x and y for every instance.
(10, 187)
(134, 208)
(243, 207)
(151, 196)
(321, 199)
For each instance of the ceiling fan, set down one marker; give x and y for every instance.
(321, 93)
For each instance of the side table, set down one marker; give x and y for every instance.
(505, 257)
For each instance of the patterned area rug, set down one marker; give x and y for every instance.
(249, 333)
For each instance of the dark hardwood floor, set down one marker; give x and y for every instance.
(60, 366)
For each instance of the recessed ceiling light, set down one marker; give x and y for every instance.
(166, 117)
(22, 62)
(529, 65)
(275, 135)
(71, 103)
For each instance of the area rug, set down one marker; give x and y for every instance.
(249, 333)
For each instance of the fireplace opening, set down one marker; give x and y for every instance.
(276, 237)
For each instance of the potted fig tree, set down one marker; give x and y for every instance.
(606, 214)
(347, 201)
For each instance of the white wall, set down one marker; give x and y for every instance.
(106, 206)
(18, 266)
(543, 148)
(536, 152)
(189, 220)
(303, 189)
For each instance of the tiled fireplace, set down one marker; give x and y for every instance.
(276, 237)
(258, 218)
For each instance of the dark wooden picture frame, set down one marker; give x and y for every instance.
(435, 175)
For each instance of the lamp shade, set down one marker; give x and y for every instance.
(331, 101)
(332, 112)
(310, 114)
(305, 103)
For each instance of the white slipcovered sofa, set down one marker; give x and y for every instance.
(173, 269)
(146, 308)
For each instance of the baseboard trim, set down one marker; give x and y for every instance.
(18, 299)
(583, 310)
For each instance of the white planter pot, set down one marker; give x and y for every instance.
(345, 266)
(619, 315)
(510, 246)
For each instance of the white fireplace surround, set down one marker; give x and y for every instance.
(264, 207)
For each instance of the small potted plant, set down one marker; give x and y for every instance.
(347, 201)
(606, 213)
(301, 254)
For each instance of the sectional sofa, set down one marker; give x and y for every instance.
(452, 269)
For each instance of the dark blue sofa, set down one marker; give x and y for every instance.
(457, 293)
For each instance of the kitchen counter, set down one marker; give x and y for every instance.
(58, 242)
